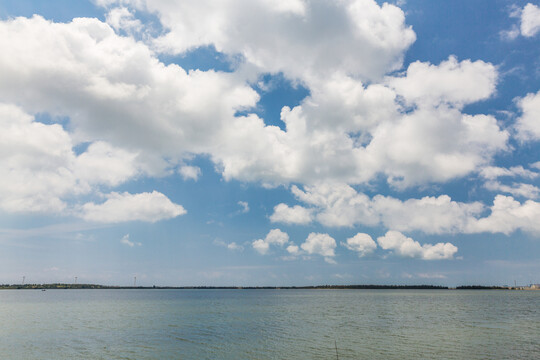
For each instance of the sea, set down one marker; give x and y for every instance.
(269, 324)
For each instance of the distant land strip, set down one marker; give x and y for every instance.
(317, 287)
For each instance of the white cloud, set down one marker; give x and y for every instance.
(125, 240)
(40, 169)
(190, 172)
(453, 82)
(274, 237)
(234, 246)
(36, 162)
(291, 215)
(114, 89)
(435, 145)
(340, 205)
(508, 215)
(245, 206)
(320, 244)
(231, 246)
(407, 247)
(528, 125)
(311, 37)
(510, 34)
(260, 246)
(278, 237)
(431, 276)
(149, 207)
(493, 172)
(363, 244)
(432, 215)
(122, 19)
(530, 20)
(293, 249)
(101, 163)
(517, 189)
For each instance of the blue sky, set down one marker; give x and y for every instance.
(270, 142)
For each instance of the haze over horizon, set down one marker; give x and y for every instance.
(270, 143)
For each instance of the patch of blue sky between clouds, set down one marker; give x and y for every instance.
(203, 58)
(54, 10)
(276, 91)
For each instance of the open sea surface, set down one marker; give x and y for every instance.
(269, 324)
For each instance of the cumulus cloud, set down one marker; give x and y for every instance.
(339, 205)
(320, 244)
(40, 168)
(527, 125)
(530, 20)
(190, 172)
(293, 249)
(358, 37)
(494, 172)
(291, 215)
(516, 189)
(361, 243)
(110, 86)
(36, 163)
(508, 215)
(274, 237)
(121, 207)
(435, 145)
(121, 18)
(101, 163)
(452, 82)
(407, 247)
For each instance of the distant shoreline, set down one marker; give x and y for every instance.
(61, 286)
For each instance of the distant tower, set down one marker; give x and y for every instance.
(134, 281)
(24, 277)
(75, 280)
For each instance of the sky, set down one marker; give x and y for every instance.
(270, 143)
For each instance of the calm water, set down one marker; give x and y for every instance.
(269, 324)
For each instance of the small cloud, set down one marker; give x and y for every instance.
(245, 206)
(291, 215)
(320, 244)
(235, 246)
(275, 237)
(363, 244)
(122, 19)
(407, 247)
(530, 20)
(231, 246)
(125, 240)
(260, 246)
(190, 172)
(510, 34)
(293, 250)
(431, 276)
(516, 189)
(121, 207)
